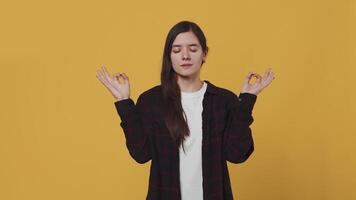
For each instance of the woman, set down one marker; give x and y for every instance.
(187, 127)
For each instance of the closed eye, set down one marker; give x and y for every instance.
(192, 50)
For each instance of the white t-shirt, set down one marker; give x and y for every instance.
(191, 178)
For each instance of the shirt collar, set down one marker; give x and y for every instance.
(211, 88)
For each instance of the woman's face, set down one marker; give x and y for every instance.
(186, 50)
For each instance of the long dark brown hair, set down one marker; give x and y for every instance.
(173, 111)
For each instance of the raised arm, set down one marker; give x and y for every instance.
(136, 124)
(137, 127)
(238, 141)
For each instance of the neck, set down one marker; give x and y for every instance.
(190, 84)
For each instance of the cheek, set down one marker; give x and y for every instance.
(174, 58)
(199, 56)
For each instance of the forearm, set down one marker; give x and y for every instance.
(137, 129)
(238, 140)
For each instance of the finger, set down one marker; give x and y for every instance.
(102, 78)
(122, 75)
(126, 78)
(105, 82)
(106, 73)
(270, 75)
(259, 78)
(265, 75)
(117, 76)
(270, 78)
(102, 75)
(248, 77)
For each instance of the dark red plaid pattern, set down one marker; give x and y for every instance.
(227, 136)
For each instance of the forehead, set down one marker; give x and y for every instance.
(186, 38)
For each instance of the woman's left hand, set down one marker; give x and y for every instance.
(260, 83)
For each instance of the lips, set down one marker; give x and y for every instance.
(186, 65)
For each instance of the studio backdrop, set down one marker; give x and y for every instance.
(60, 135)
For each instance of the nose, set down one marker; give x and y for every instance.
(185, 54)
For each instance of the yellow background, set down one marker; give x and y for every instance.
(60, 136)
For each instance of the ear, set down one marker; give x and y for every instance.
(205, 55)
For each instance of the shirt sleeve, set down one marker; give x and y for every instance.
(137, 127)
(238, 142)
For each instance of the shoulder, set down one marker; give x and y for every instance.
(222, 96)
(232, 99)
(225, 93)
(230, 95)
(151, 93)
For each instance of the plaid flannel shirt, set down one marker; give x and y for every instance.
(227, 136)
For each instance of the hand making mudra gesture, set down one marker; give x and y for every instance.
(121, 91)
(260, 84)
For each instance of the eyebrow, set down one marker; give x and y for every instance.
(178, 45)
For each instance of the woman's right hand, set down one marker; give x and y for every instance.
(120, 91)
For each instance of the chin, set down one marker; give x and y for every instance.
(186, 75)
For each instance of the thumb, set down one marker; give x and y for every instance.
(126, 78)
(259, 78)
(116, 76)
(248, 77)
